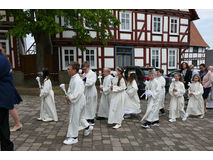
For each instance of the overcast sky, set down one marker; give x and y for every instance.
(204, 25)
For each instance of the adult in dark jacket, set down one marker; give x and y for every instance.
(186, 73)
(7, 94)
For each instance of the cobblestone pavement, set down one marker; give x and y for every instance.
(193, 134)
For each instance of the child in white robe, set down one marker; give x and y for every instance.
(90, 92)
(132, 101)
(103, 111)
(152, 112)
(76, 99)
(196, 104)
(162, 82)
(48, 109)
(177, 90)
(116, 110)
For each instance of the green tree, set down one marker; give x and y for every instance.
(42, 25)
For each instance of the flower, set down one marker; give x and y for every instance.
(62, 86)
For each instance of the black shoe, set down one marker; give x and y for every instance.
(100, 118)
(145, 126)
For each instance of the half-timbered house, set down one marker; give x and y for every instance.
(145, 37)
(195, 54)
(14, 46)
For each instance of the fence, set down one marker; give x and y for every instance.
(28, 66)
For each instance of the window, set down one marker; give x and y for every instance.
(155, 58)
(195, 49)
(174, 25)
(90, 57)
(65, 22)
(194, 62)
(157, 24)
(172, 58)
(68, 56)
(125, 19)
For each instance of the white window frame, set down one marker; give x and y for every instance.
(157, 16)
(63, 55)
(7, 46)
(174, 50)
(170, 25)
(130, 22)
(159, 59)
(95, 57)
(62, 23)
(5, 41)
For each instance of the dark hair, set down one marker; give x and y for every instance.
(202, 65)
(179, 74)
(75, 66)
(85, 64)
(161, 71)
(121, 70)
(187, 66)
(132, 77)
(45, 73)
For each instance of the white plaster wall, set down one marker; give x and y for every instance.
(165, 24)
(156, 38)
(140, 16)
(139, 52)
(109, 62)
(125, 36)
(148, 22)
(165, 37)
(108, 51)
(68, 34)
(173, 39)
(100, 66)
(164, 57)
(147, 55)
(183, 29)
(139, 62)
(184, 21)
(99, 51)
(140, 25)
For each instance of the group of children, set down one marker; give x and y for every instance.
(118, 98)
(155, 91)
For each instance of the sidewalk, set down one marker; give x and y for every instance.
(194, 134)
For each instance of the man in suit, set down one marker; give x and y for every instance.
(6, 102)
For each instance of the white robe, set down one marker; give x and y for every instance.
(162, 82)
(196, 103)
(77, 119)
(116, 110)
(91, 95)
(48, 109)
(152, 110)
(176, 107)
(105, 97)
(132, 101)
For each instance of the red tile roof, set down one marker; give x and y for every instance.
(195, 38)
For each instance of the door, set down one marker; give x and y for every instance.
(124, 56)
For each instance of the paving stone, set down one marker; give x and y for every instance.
(192, 135)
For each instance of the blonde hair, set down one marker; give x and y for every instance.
(196, 75)
(85, 64)
(107, 69)
(180, 77)
(151, 72)
(191, 66)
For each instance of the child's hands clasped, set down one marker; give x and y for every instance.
(68, 100)
(174, 90)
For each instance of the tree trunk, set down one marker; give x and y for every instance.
(43, 47)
